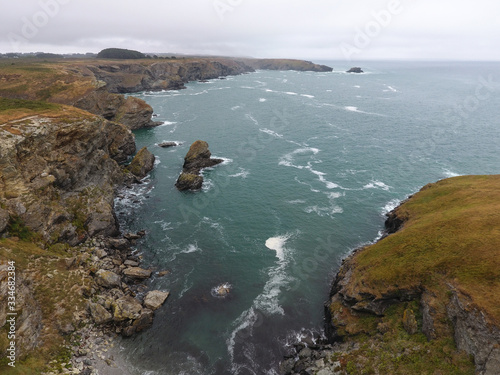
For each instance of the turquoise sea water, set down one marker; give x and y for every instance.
(313, 162)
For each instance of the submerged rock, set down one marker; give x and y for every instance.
(197, 158)
(222, 290)
(167, 144)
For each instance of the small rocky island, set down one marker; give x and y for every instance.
(197, 158)
(355, 69)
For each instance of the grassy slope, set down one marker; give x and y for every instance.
(451, 237)
(57, 291)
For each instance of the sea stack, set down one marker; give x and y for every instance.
(197, 158)
(355, 70)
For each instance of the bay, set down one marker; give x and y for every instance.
(313, 161)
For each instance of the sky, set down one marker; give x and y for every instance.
(306, 29)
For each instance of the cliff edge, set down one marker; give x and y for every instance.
(423, 299)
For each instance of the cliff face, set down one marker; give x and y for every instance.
(437, 275)
(127, 77)
(287, 64)
(57, 171)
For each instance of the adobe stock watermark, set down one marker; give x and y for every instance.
(380, 20)
(11, 314)
(222, 7)
(31, 26)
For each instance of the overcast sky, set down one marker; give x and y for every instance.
(308, 29)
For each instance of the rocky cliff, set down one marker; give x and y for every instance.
(197, 158)
(58, 170)
(424, 298)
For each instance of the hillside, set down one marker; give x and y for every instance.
(424, 299)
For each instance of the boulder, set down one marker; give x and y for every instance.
(108, 279)
(137, 273)
(4, 219)
(118, 243)
(99, 314)
(144, 321)
(142, 163)
(155, 299)
(125, 308)
(189, 181)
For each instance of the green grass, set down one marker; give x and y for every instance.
(452, 235)
(12, 104)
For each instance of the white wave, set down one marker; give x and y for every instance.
(374, 184)
(352, 109)
(271, 132)
(357, 86)
(449, 173)
(199, 93)
(251, 118)
(269, 90)
(207, 185)
(296, 201)
(266, 303)
(243, 173)
(391, 205)
(390, 88)
(329, 184)
(291, 93)
(307, 96)
(334, 195)
(225, 161)
(262, 100)
(164, 225)
(191, 248)
(278, 244)
(324, 211)
(167, 123)
(329, 90)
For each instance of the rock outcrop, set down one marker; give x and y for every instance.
(355, 70)
(415, 283)
(142, 163)
(126, 77)
(286, 64)
(132, 112)
(59, 171)
(197, 158)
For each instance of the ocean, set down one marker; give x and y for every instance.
(313, 162)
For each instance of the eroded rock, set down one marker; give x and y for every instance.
(155, 298)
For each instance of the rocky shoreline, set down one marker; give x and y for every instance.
(423, 320)
(67, 148)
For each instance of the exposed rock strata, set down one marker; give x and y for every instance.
(132, 112)
(58, 174)
(197, 158)
(142, 163)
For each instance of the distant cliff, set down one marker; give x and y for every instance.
(97, 85)
(425, 297)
